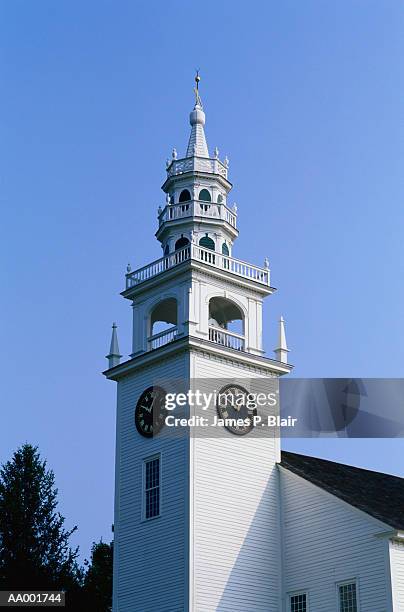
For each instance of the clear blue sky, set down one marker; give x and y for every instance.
(306, 99)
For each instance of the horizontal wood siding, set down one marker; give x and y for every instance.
(235, 558)
(151, 570)
(325, 542)
(397, 574)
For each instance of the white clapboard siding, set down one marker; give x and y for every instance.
(150, 570)
(213, 366)
(235, 558)
(327, 541)
(397, 574)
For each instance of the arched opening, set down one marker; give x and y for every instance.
(204, 195)
(163, 323)
(185, 196)
(226, 314)
(226, 323)
(207, 243)
(181, 243)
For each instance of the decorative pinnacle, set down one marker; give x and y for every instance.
(114, 357)
(282, 351)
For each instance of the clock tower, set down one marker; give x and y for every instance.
(196, 514)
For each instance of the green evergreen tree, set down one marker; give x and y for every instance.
(98, 579)
(34, 545)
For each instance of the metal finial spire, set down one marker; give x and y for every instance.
(197, 146)
(198, 100)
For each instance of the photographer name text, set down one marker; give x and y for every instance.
(256, 421)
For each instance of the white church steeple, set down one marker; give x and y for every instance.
(197, 289)
(219, 298)
(197, 316)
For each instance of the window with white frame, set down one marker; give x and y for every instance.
(347, 597)
(152, 487)
(298, 602)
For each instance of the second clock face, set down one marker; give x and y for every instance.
(150, 412)
(233, 407)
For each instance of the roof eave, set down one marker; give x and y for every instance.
(197, 173)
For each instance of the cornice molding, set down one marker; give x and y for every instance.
(209, 349)
(206, 271)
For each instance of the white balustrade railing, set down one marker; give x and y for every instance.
(230, 216)
(198, 253)
(162, 338)
(198, 208)
(176, 211)
(199, 164)
(226, 338)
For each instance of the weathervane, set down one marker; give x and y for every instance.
(198, 100)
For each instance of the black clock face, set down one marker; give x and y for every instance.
(150, 412)
(232, 406)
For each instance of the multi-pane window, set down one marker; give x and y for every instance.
(298, 602)
(152, 496)
(347, 597)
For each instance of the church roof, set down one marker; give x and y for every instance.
(197, 141)
(379, 495)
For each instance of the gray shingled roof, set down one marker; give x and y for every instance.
(377, 494)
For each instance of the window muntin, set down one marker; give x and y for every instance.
(347, 597)
(152, 487)
(298, 602)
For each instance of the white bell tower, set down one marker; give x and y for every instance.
(196, 518)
